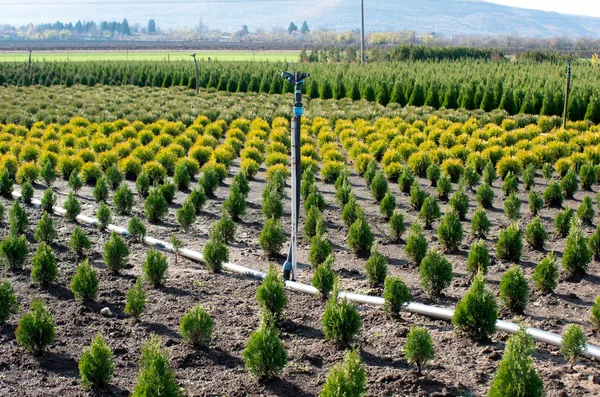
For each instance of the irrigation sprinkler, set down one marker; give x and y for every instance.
(289, 267)
(197, 76)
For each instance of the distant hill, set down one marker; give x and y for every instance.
(453, 17)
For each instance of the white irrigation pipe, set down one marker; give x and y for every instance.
(418, 308)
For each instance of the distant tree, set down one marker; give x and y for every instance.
(151, 26)
(292, 28)
(304, 29)
(245, 30)
(125, 28)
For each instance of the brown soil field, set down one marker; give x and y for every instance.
(461, 367)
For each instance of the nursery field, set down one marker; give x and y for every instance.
(430, 202)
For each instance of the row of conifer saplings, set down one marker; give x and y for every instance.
(155, 269)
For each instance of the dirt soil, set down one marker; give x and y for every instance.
(461, 367)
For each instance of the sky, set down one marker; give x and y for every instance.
(576, 7)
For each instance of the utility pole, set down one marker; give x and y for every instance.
(29, 64)
(197, 75)
(289, 267)
(362, 32)
(568, 89)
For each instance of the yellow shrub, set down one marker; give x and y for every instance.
(277, 158)
(333, 155)
(278, 168)
(393, 171)
(28, 172)
(282, 136)
(207, 140)
(200, 153)
(108, 159)
(526, 157)
(418, 163)
(391, 156)
(453, 168)
(508, 164)
(252, 153)
(218, 168)
(357, 149)
(362, 161)
(86, 155)
(309, 150)
(90, 173)
(250, 167)
(277, 147)
(257, 143)
(222, 155)
(236, 133)
(308, 163)
(155, 172)
(331, 170)
(68, 164)
(29, 152)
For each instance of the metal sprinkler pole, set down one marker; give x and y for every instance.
(289, 267)
(197, 75)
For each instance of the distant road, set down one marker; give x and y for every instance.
(126, 55)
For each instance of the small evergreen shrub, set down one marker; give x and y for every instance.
(320, 249)
(197, 197)
(168, 191)
(45, 231)
(271, 238)
(156, 378)
(344, 192)
(224, 228)
(324, 277)
(75, 183)
(135, 300)
(360, 237)
(341, 321)
(416, 244)
(315, 198)
(430, 211)
(115, 253)
(155, 267)
(514, 289)
(512, 207)
(8, 301)
(348, 379)
(546, 274)
(510, 184)
(433, 174)
(123, 200)
(535, 234)
(406, 180)
(186, 215)
(419, 347)
(14, 251)
(577, 255)
(376, 267)
(215, 252)
(177, 246)
(387, 205)
(536, 202)
(379, 186)
(26, 192)
(476, 313)
(47, 173)
(351, 211)
(588, 176)
(460, 203)
(96, 365)
(72, 206)
(552, 195)
(100, 192)
(444, 187)
(272, 207)
(48, 201)
(569, 184)
(114, 177)
(516, 374)
(79, 241)
(594, 243)
(562, 222)
(136, 229)
(397, 226)
(104, 216)
(271, 295)
(395, 295)
(471, 177)
(155, 206)
(6, 183)
(595, 312)
(84, 283)
(510, 244)
(265, 355)
(36, 329)
(371, 171)
(585, 212)
(43, 267)
(478, 259)
(142, 184)
(209, 181)
(480, 224)
(485, 196)
(18, 219)
(547, 171)
(235, 203)
(314, 223)
(417, 196)
(435, 272)
(181, 177)
(450, 232)
(196, 327)
(529, 177)
(573, 343)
